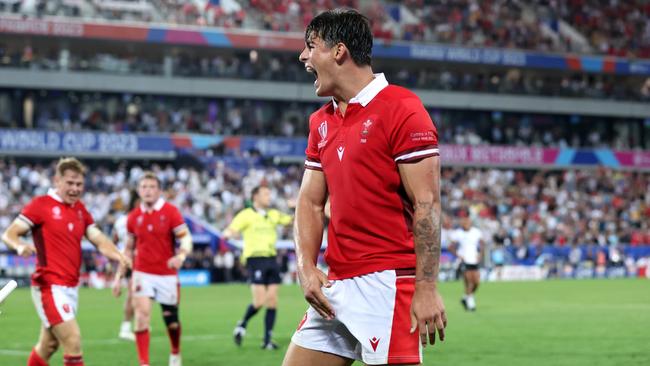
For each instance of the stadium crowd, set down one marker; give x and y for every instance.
(523, 211)
(85, 111)
(493, 23)
(285, 67)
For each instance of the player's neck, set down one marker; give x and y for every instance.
(351, 83)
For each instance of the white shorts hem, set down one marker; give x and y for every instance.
(296, 340)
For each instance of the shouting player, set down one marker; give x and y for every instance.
(58, 222)
(374, 149)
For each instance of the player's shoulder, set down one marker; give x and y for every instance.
(42, 200)
(169, 207)
(133, 213)
(321, 113)
(396, 94)
(394, 99)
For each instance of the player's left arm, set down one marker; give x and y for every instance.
(106, 246)
(421, 181)
(184, 238)
(481, 250)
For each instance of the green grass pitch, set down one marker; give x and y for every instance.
(573, 323)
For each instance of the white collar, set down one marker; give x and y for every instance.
(369, 92)
(52, 193)
(156, 206)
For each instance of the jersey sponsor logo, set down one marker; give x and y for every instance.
(365, 131)
(340, 150)
(374, 342)
(422, 136)
(56, 213)
(322, 131)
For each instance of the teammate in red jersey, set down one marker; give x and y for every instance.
(152, 229)
(58, 222)
(374, 150)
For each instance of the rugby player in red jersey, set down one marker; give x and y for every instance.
(153, 229)
(58, 222)
(374, 150)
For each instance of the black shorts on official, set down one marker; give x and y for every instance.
(263, 270)
(469, 267)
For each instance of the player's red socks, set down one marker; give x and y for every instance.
(175, 339)
(35, 360)
(142, 343)
(73, 360)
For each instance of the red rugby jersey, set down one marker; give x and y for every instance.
(57, 230)
(371, 226)
(154, 232)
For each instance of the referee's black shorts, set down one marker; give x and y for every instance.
(469, 267)
(263, 270)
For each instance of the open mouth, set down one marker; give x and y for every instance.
(312, 71)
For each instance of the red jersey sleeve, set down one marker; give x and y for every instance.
(177, 221)
(130, 224)
(313, 157)
(88, 218)
(32, 213)
(412, 136)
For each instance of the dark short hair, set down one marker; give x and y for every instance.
(256, 190)
(346, 26)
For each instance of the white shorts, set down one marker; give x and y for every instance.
(55, 304)
(372, 322)
(165, 289)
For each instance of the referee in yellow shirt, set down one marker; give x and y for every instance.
(257, 225)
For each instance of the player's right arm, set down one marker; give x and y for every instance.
(308, 235)
(11, 237)
(121, 268)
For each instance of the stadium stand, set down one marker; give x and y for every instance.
(559, 26)
(582, 106)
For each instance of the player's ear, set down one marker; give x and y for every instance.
(341, 52)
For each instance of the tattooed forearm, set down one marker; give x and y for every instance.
(426, 232)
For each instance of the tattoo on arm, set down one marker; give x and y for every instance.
(426, 232)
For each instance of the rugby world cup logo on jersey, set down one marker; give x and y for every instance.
(322, 131)
(56, 213)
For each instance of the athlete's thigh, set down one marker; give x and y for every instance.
(47, 339)
(69, 335)
(271, 295)
(55, 304)
(299, 356)
(473, 275)
(259, 294)
(378, 316)
(141, 304)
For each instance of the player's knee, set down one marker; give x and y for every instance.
(47, 348)
(170, 316)
(272, 302)
(72, 343)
